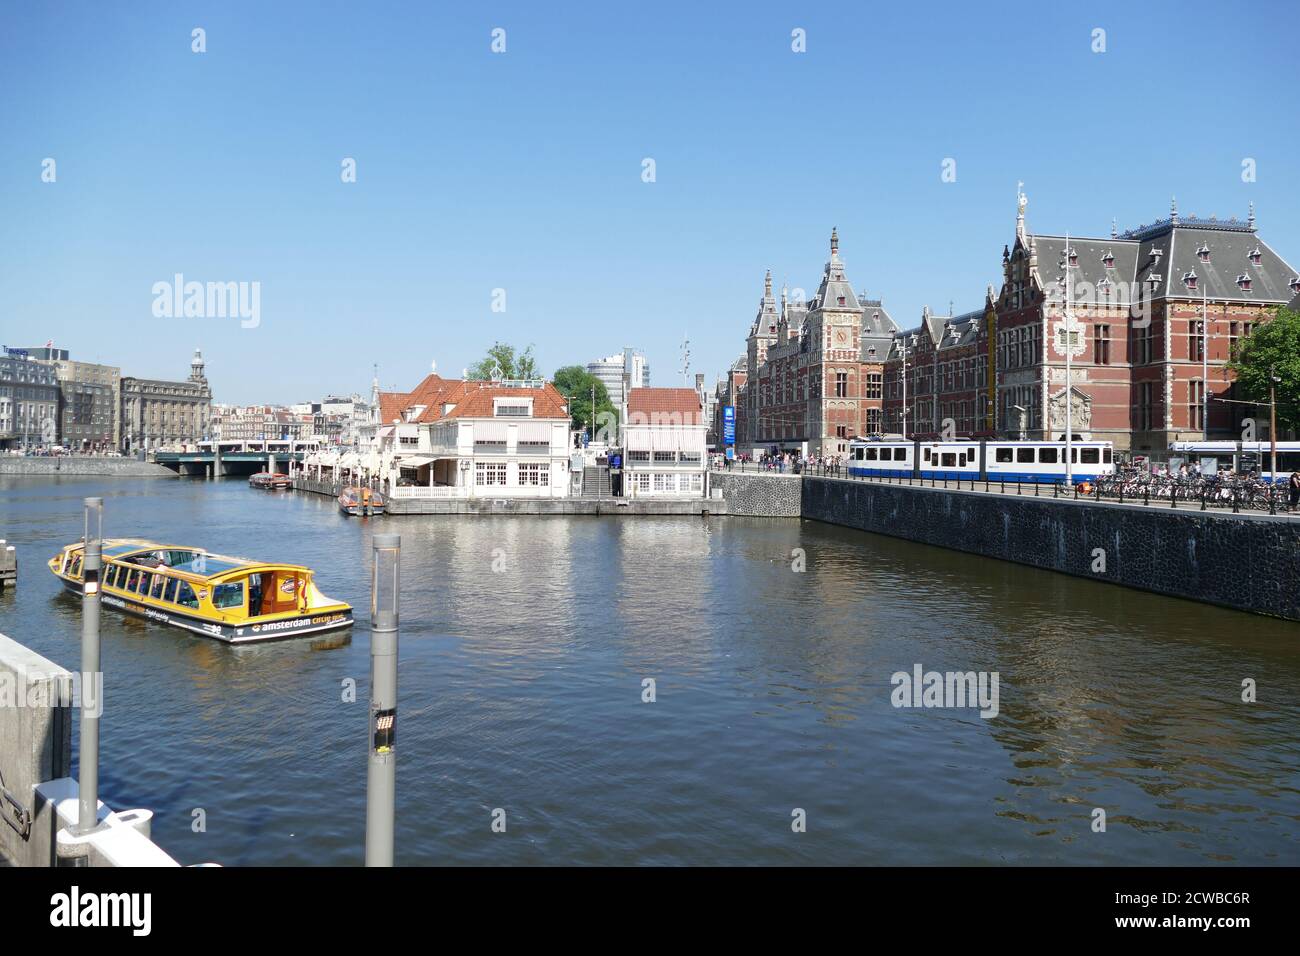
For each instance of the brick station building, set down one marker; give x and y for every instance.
(1136, 301)
(814, 375)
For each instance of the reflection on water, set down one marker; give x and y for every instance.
(521, 689)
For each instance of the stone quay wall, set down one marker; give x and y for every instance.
(82, 465)
(1248, 562)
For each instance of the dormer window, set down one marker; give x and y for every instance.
(1255, 256)
(1243, 282)
(840, 300)
(1203, 253)
(1074, 257)
(1189, 279)
(1155, 279)
(1294, 284)
(1156, 253)
(1103, 284)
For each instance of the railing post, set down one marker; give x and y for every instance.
(381, 770)
(1173, 496)
(91, 682)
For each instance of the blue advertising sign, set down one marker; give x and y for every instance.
(728, 424)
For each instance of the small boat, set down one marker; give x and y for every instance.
(270, 480)
(235, 600)
(361, 501)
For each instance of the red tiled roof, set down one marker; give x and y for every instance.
(664, 406)
(475, 400)
(391, 405)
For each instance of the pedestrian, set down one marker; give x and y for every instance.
(1293, 486)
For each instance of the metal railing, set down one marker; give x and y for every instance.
(1238, 495)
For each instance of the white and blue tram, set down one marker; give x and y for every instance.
(1241, 457)
(985, 460)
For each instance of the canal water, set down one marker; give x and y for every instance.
(521, 688)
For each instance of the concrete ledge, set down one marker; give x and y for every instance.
(120, 839)
(35, 746)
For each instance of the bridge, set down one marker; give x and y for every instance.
(217, 459)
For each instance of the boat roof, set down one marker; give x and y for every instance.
(212, 565)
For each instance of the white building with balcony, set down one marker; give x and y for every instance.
(454, 439)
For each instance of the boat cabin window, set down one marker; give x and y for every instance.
(169, 595)
(1047, 456)
(75, 570)
(1024, 456)
(228, 595)
(156, 590)
(185, 595)
(1002, 454)
(142, 585)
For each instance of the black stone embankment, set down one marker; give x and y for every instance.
(75, 465)
(759, 495)
(1247, 562)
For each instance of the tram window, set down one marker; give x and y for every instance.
(1091, 456)
(185, 595)
(228, 595)
(159, 581)
(170, 594)
(1002, 454)
(961, 460)
(1047, 456)
(1105, 455)
(949, 459)
(926, 455)
(1025, 456)
(886, 454)
(870, 453)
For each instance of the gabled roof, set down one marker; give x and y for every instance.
(476, 400)
(667, 406)
(391, 406)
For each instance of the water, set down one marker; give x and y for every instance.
(522, 690)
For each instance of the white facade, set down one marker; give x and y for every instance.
(510, 455)
(664, 460)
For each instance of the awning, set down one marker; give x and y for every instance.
(638, 439)
(534, 431)
(491, 432)
(415, 461)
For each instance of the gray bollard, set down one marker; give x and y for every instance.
(88, 770)
(381, 772)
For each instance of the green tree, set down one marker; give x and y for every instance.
(1271, 350)
(575, 383)
(502, 361)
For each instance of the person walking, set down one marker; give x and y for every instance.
(1293, 487)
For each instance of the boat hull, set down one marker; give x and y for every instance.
(244, 633)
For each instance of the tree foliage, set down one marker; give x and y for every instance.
(503, 361)
(1272, 349)
(575, 383)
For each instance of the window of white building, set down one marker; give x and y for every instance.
(489, 473)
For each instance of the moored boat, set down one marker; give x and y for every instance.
(232, 599)
(268, 480)
(361, 501)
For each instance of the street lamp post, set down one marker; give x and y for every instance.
(1069, 366)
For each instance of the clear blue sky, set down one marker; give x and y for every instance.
(522, 170)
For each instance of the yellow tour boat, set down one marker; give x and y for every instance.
(232, 599)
